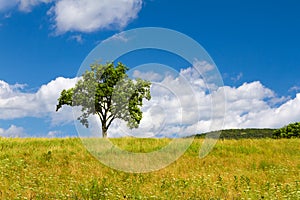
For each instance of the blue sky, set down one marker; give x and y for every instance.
(255, 45)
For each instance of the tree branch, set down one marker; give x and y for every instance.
(100, 116)
(109, 123)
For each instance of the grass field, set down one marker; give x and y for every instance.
(235, 169)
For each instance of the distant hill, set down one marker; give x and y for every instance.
(242, 133)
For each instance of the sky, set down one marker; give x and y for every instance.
(255, 46)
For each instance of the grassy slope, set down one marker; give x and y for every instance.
(63, 169)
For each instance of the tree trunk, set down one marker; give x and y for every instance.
(104, 131)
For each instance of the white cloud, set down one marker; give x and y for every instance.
(202, 66)
(23, 5)
(77, 38)
(27, 5)
(254, 91)
(151, 76)
(180, 106)
(55, 134)
(278, 100)
(90, 15)
(13, 131)
(82, 15)
(238, 77)
(119, 37)
(294, 89)
(16, 104)
(173, 109)
(274, 117)
(198, 77)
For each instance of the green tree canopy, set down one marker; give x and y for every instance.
(289, 131)
(106, 91)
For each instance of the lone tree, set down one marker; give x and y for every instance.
(106, 91)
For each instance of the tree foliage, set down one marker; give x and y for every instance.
(289, 131)
(249, 133)
(106, 91)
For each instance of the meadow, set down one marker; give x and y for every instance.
(235, 169)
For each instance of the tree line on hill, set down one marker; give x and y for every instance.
(289, 131)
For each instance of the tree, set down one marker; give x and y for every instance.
(106, 91)
(289, 131)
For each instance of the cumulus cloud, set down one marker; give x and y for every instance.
(181, 105)
(90, 15)
(13, 131)
(82, 15)
(17, 104)
(274, 117)
(202, 66)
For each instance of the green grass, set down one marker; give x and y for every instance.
(235, 169)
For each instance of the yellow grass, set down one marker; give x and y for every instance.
(235, 169)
